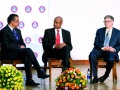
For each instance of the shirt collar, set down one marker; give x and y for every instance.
(58, 29)
(109, 30)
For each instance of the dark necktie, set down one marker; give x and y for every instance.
(107, 39)
(15, 34)
(57, 38)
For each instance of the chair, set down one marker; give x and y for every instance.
(59, 65)
(13, 62)
(102, 64)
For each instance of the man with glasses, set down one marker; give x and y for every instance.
(13, 47)
(107, 46)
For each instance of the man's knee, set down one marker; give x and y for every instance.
(92, 56)
(28, 49)
(45, 57)
(66, 48)
(110, 59)
(110, 56)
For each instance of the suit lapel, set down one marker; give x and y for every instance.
(103, 33)
(53, 35)
(11, 33)
(112, 37)
(63, 35)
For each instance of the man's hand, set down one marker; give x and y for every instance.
(112, 49)
(108, 48)
(61, 45)
(57, 46)
(22, 46)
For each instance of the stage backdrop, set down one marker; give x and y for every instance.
(81, 17)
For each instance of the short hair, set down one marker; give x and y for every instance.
(11, 17)
(109, 16)
(59, 18)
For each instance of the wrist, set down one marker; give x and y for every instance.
(103, 48)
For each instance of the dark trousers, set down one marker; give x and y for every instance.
(108, 57)
(63, 53)
(28, 57)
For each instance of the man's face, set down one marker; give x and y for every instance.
(108, 23)
(15, 22)
(57, 23)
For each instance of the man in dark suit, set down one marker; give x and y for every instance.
(13, 47)
(106, 45)
(57, 43)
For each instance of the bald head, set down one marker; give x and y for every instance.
(58, 22)
(59, 18)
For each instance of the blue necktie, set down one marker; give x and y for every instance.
(15, 34)
(107, 39)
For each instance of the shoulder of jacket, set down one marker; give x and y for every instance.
(65, 30)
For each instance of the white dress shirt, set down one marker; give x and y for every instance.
(110, 32)
(60, 33)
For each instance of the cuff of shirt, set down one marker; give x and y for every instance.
(103, 48)
(53, 46)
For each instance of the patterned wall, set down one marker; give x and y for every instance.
(33, 17)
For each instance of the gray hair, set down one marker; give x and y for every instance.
(109, 16)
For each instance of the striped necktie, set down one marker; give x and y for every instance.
(15, 34)
(57, 38)
(107, 39)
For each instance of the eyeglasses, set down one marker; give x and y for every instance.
(106, 21)
(16, 21)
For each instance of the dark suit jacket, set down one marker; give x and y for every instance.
(114, 40)
(9, 44)
(49, 39)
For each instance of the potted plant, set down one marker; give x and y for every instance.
(10, 78)
(71, 79)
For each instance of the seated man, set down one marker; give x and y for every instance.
(106, 45)
(13, 48)
(57, 43)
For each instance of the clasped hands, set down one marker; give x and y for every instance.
(59, 46)
(109, 48)
(22, 46)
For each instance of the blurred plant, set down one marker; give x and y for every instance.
(10, 78)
